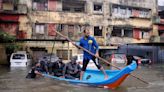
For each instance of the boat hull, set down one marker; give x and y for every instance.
(116, 77)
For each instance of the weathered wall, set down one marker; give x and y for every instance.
(89, 17)
(3, 59)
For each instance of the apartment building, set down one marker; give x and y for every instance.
(112, 23)
(159, 24)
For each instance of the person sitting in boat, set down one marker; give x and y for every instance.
(36, 70)
(44, 64)
(57, 68)
(72, 69)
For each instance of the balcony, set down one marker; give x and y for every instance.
(13, 8)
(156, 19)
(155, 39)
(74, 6)
(10, 1)
(125, 11)
(161, 39)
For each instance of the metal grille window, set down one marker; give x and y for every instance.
(128, 33)
(120, 11)
(40, 5)
(117, 32)
(64, 54)
(73, 6)
(40, 28)
(98, 7)
(97, 31)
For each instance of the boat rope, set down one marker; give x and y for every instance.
(69, 40)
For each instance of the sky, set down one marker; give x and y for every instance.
(160, 2)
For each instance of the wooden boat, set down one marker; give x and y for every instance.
(96, 77)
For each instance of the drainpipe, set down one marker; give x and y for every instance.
(68, 52)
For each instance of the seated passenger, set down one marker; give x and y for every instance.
(57, 68)
(44, 64)
(36, 70)
(72, 69)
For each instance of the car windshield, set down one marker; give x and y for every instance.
(18, 56)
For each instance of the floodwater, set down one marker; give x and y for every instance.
(13, 80)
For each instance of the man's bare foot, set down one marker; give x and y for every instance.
(106, 87)
(106, 77)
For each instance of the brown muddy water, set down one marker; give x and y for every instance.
(13, 80)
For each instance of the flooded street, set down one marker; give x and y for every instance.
(13, 80)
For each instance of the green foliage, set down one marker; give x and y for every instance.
(10, 48)
(6, 38)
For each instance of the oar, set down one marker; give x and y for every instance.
(97, 56)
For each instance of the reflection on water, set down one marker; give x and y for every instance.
(13, 80)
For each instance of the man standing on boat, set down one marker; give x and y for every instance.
(90, 44)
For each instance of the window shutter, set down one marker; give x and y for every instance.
(39, 29)
(136, 34)
(52, 5)
(51, 29)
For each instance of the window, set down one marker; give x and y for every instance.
(51, 30)
(161, 33)
(8, 6)
(98, 31)
(128, 33)
(115, 10)
(117, 32)
(40, 28)
(136, 33)
(123, 11)
(146, 35)
(40, 5)
(64, 54)
(52, 5)
(97, 7)
(71, 30)
(73, 6)
(119, 11)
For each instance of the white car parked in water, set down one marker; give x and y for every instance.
(90, 65)
(20, 59)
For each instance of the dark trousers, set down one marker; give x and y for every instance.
(86, 61)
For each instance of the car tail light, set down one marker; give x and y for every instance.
(139, 61)
(150, 61)
(112, 59)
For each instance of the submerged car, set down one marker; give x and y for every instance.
(142, 60)
(20, 59)
(118, 59)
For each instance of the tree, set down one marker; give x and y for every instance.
(6, 38)
(9, 43)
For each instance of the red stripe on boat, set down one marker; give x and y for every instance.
(117, 83)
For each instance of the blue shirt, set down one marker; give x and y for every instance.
(90, 44)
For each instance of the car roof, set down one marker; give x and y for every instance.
(112, 53)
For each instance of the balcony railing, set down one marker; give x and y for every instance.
(161, 39)
(158, 20)
(18, 9)
(10, 1)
